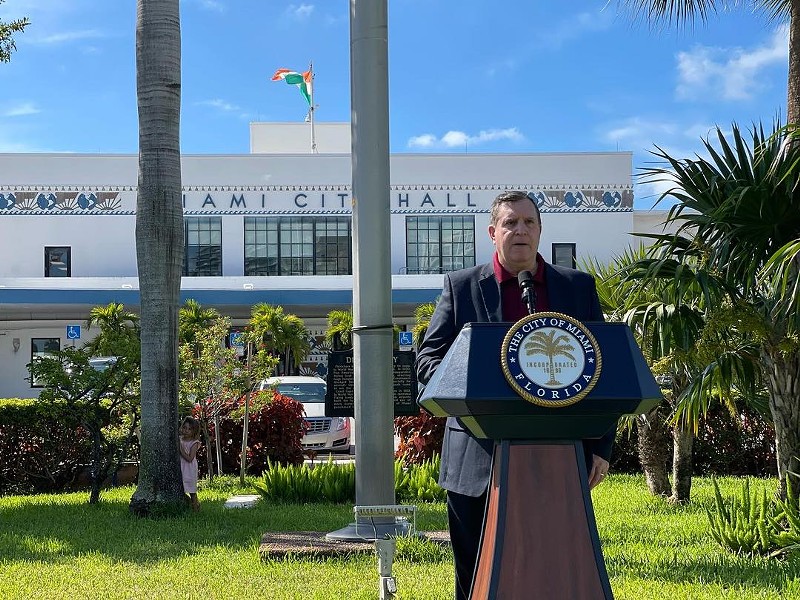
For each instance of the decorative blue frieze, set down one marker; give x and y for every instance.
(315, 199)
(46, 201)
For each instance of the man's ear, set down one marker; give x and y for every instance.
(491, 232)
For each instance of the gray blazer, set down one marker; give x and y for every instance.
(473, 295)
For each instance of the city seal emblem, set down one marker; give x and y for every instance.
(551, 359)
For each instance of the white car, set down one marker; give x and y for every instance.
(329, 434)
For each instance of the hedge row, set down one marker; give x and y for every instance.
(42, 447)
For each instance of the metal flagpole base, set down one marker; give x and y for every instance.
(378, 523)
(367, 531)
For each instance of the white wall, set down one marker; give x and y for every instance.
(102, 245)
(13, 363)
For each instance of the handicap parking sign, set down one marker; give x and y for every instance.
(236, 339)
(406, 338)
(73, 332)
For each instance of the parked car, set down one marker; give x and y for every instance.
(327, 434)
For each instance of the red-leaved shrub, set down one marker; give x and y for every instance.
(42, 447)
(420, 437)
(275, 428)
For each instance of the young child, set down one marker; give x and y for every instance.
(189, 442)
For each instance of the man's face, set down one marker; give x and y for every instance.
(516, 236)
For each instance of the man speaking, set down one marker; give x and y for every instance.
(516, 283)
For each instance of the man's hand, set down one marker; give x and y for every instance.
(599, 470)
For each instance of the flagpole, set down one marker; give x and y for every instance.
(311, 109)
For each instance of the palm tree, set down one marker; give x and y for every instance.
(192, 318)
(279, 333)
(119, 330)
(547, 343)
(296, 342)
(668, 316)
(340, 329)
(741, 210)
(7, 31)
(159, 249)
(422, 318)
(687, 10)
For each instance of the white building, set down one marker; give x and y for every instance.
(274, 226)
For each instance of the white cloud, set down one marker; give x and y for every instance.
(639, 133)
(729, 73)
(219, 104)
(459, 139)
(426, 140)
(300, 11)
(21, 110)
(648, 193)
(225, 107)
(68, 36)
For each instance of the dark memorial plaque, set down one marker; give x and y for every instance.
(340, 397)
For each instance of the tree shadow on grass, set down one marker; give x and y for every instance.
(55, 532)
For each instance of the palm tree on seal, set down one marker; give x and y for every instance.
(541, 342)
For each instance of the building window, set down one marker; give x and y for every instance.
(297, 246)
(203, 256)
(439, 244)
(41, 347)
(564, 255)
(57, 261)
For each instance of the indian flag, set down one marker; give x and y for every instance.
(301, 80)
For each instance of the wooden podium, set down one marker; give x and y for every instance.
(539, 534)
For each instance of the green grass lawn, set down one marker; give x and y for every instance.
(57, 546)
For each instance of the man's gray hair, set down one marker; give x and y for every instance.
(511, 196)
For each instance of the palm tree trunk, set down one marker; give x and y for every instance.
(783, 381)
(682, 464)
(784, 371)
(159, 249)
(653, 436)
(793, 96)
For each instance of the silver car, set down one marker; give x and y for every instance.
(332, 434)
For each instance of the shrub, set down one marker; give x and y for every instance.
(420, 437)
(741, 445)
(325, 482)
(331, 482)
(755, 525)
(42, 447)
(275, 429)
(418, 482)
(725, 445)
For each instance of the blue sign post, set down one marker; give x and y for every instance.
(73, 332)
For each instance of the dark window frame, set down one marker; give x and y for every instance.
(48, 262)
(561, 246)
(35, 354)
(298, 246)
(203, 225)
(440, 228)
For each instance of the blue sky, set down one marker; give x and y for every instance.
(465, 75)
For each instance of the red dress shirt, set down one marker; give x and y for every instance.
(511, 296)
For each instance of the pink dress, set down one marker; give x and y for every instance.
(189, 468)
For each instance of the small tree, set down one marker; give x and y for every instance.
(210, 374)
(104, 401)
(7, 31)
